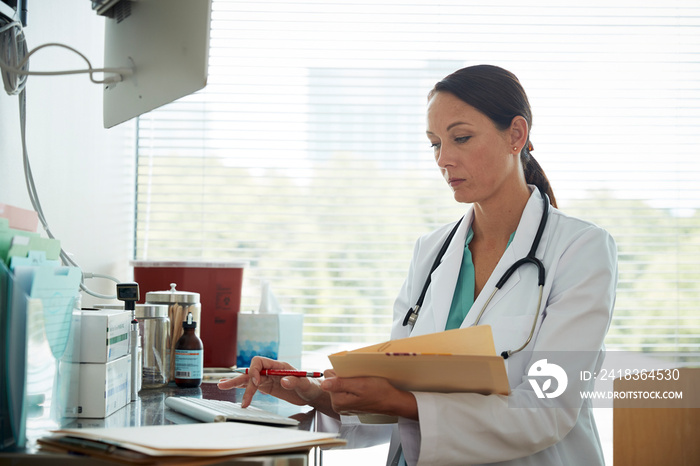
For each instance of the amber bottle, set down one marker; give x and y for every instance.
(189, 356)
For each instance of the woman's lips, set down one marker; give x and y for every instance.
(454, 182)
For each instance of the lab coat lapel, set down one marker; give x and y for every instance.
(519, 247)
(444, 280)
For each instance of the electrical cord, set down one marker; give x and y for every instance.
(119, 72)
(101, 275)
(21, 67)
(14, 62)
(34, 199)
(13, 47)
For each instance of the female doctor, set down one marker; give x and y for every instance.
(559, 301)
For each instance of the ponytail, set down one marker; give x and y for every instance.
(534, 174)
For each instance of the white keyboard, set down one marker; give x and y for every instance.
(221, 411)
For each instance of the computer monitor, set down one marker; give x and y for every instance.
(166, 42)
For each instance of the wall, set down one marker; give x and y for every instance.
(84, 173)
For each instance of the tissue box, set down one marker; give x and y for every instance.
(101, 389)
(274, 336)
(104, 335)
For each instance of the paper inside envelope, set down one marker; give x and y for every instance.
(460, 360)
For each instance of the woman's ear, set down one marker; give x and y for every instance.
(518, 133)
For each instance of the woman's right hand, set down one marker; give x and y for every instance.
(296, 390)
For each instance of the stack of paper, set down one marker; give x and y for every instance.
(178, 443)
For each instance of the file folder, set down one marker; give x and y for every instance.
(36, 308)
(460, 360)
(182, 442)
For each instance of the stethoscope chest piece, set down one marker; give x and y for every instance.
(411, 316)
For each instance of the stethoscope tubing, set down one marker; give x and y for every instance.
(530, 258)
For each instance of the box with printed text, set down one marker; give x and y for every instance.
(99, 389)
(104, 335)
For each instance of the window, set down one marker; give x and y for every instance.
(306, 156)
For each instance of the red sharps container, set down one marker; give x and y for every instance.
(219, 285)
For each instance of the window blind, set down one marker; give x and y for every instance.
(306, 153)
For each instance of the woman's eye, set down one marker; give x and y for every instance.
(462, 139)
(435, 145)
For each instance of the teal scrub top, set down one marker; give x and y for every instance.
(463, 297)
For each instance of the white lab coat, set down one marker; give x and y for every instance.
(579, 293)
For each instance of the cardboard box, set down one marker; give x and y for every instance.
(104, 335)
(275, 336)
(101, 389)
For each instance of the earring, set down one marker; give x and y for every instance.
(515, 149)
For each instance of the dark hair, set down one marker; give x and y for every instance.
(498, 94)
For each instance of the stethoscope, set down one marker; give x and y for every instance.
(412, 314)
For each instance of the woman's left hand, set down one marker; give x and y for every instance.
(368, 395)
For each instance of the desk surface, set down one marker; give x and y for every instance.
(150, 409)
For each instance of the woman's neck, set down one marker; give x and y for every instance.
(498, 219)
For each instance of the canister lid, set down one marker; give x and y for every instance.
(172, 296)
(151, 311)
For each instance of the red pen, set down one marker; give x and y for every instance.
(283, 373)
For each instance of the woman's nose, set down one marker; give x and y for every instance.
(443, 157)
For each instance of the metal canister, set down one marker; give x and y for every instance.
(179, 304)
(154, 327)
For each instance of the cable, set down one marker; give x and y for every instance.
(34, 199)
(120, 72)
(21, 68)
(100, 275)
(13, 47)
(14, 61)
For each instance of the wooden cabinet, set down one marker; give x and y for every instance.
(657, 431)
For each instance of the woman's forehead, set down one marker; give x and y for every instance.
(446, 111)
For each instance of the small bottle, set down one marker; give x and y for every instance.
(189, 356)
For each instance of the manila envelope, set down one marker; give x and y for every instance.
(460, 360)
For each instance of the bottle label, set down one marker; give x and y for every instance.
(189, 364)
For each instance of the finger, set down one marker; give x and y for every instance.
(344, 404)
(332, 384)
(248, 394)
(236, 382)
(352, 386)
(289, 383)
(302, 386)
(259, 363)
(256, 365)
